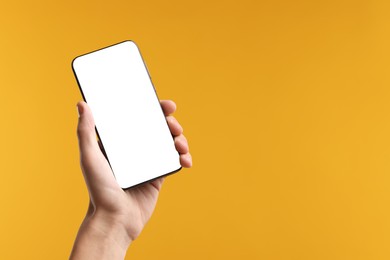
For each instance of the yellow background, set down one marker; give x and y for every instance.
(285, 104)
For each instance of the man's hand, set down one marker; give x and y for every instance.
(115, 216)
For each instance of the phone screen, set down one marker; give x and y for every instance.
(115, 83)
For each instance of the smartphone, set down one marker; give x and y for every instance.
(129, 120)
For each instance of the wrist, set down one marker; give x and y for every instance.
(100, 237)
(110, 229)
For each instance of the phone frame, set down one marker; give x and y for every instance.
(96, 130)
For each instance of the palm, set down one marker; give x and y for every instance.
(144, 198)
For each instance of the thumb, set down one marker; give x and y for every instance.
(96, 170)
(86, 130)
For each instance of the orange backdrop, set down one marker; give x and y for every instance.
(285, 104)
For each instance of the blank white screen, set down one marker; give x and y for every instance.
(127, 113)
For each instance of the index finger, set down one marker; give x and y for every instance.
(168, 106)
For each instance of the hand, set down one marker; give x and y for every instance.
(115, 217)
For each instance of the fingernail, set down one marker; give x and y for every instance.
(79, 110)
(189, 159)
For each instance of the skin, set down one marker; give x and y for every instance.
(115, 217)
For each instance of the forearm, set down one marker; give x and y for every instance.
(99, 239)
